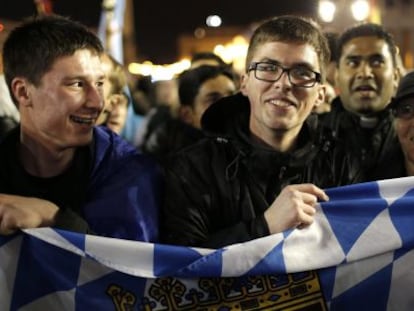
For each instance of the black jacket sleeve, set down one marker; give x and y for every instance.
(203, 209)
(66, 219)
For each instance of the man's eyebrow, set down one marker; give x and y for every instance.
(353, 57)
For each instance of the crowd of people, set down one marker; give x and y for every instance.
(209, 159)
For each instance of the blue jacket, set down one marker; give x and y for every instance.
(110, 189)
(124, 190)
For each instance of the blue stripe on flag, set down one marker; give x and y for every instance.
(351, 210)
(42, 269)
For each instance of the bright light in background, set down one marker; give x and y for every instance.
(360, 10)
(159, 72)
(213, 21)
(327, 10)
(233, 52)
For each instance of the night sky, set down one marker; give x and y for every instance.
(158, 23)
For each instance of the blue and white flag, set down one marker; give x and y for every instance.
(357, 255)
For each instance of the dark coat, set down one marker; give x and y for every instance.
(369, 143)
(219, 188)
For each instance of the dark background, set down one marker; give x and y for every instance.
(158, 23)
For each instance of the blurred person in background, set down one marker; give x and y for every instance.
(116, 99)
(331, 92)
(9, 115)
(198, 88)
(206, 58)
(400, 161)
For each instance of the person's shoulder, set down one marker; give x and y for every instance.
(206, 150)
(112, 149)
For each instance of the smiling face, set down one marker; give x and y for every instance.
(366, 76)
(278, 107)
(61, 111)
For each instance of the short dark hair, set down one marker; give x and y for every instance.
(31, 49)
(190, 81)
(289, 28)
(367, 30)
(208, 56)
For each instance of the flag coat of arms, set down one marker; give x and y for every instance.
(357, 255)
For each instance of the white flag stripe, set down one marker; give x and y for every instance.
(302, 248)
(135, 258)
(349, 275)
(379, 237)
(90, 270)
(61, 300)
(402, 279)
(8, 268)
(238, 259)
(52, 237)
(393, 189)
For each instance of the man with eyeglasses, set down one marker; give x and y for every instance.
(264, 164)
(400, 162)
(367, 77)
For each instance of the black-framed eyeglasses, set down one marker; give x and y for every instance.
(300, 76)
(404, 110)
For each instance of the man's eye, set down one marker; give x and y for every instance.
(352, 63)
(406, 109)
(267, 67)
(377, 62)
(76, 84)
(302, 72)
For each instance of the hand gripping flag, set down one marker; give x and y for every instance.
(357, 255)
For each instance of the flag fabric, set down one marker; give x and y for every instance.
(110, 27)
(357, 255)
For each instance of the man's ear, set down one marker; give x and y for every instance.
(243, 82)
(320, 99)
(20, 90)
(396, 79)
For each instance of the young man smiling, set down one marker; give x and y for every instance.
(58, 169)
(264, 166)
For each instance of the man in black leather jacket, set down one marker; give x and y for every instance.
(262, 168)
(366, 77)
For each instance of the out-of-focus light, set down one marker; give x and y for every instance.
(159, 72)
(213, 21)
(1, 27)
(234, 52)
(360, 10)
(327, 10)
(199, 33)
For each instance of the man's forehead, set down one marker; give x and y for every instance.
(366, 45)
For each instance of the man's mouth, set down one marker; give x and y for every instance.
(83, 120)
(365, 90)
(281, 103)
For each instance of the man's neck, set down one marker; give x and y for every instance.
(282, 140)
(42, 162)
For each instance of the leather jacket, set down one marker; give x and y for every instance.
(218, 189)
(369, 139)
